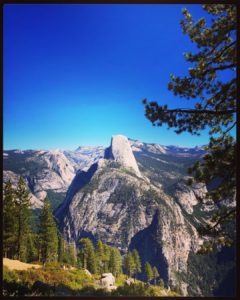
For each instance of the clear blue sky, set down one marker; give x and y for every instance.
(77, 74)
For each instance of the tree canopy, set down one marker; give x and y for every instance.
(210, 90)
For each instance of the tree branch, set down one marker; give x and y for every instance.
(226, 131)
(220, 68)
(223, 217)
(203, 111)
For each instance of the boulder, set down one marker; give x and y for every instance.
(107, 280)
(129, 281)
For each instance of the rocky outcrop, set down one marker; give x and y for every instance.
(121, 152)
(107, 281)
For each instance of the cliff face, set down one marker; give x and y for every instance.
(112, 203)
(120, 151)
(48, 171)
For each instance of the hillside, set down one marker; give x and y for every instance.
(53, 280)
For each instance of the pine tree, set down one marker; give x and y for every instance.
(48, 235)
(161, 283)
(23, 219)
(148, 271)
(9, 221)
(71, 253)
(115, 262)
(99, 256)
(32, 244)
(137, 262)
(129, 264)
(214, 97)
(61, 248)
(106, 257)
(88, 255)
(155, 274)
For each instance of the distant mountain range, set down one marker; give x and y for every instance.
(51, 172)
(130, 195)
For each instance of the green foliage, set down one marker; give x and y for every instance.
(100, 256)
(9, 275)
(137, 262)
(48, 281)
(155, 274)
(19, 240)
(129, 264)
(161, 283)
(142, 290)
(23, 220)
(9, 221)
(87, 255)
(115, 262)
(51, 280)
(48, 236)
(67, 253)
(214, 101)
(148, 271)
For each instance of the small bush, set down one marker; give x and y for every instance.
(8, 275)
(52, 265)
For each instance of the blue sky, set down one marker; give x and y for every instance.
(77, 74)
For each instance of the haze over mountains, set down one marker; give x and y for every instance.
(130, 195)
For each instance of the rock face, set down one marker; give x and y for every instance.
(108, 281)
(46, 171)
(126, 210)
(121, 152)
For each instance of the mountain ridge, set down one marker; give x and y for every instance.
(60, 166)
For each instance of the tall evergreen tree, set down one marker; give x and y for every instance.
(161, 283)
(155, 274)
(214, 97)
(106, 257)
(61, 248)
(48, 235)
(9, 221)
(88, 255)
(148, 271)
(23, 219)
(137, 262)
(129, 264)
(115, 262)
(71, 254)
(100, 256)
(32, 247)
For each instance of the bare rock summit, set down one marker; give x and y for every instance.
(120, 151)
